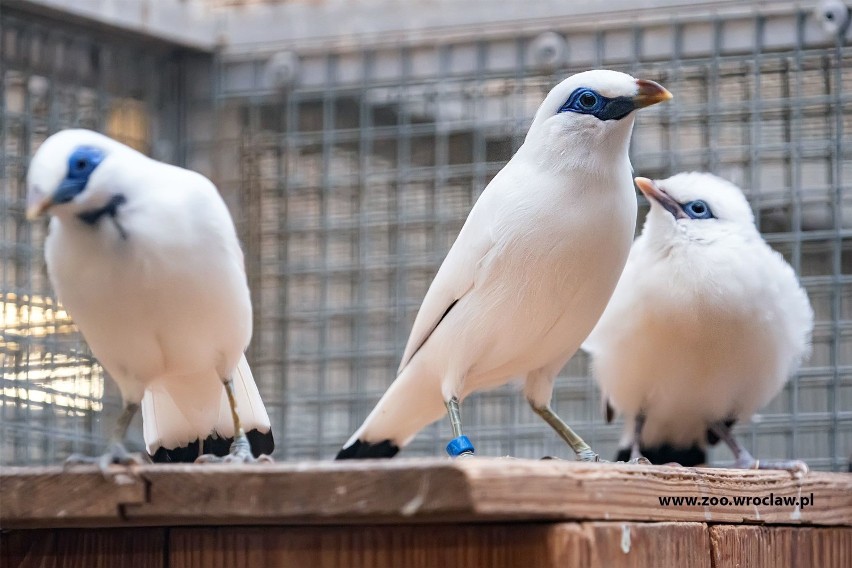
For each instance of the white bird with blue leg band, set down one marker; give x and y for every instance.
(530, 272)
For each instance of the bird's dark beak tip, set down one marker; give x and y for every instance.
(654, 193)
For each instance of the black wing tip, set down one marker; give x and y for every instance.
(181, 454)
(659, 455)
(261, 443)
(361, 450)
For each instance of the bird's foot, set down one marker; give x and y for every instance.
(240, 453)
(596, 459)
(796, 467)
(587, 455)
(641, 460)
(116, 454)
(581, 456)
(636, 457)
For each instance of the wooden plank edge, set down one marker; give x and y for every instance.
(594, 491)
(411, 491)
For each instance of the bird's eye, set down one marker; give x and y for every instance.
(698, 210)
(588, 100)
(584, 101)
(81, 164)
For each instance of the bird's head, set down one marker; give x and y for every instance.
(68, 175)
(695, 205)
(591, 114)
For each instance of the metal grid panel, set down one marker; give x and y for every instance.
(52, 76)
(350, 185)
(355, 180)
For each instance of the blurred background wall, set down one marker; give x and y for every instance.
(351, 138)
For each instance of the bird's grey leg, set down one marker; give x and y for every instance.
(581, 448)
(240, 448)
(123, 422)
(116, 452)
(635, 447)
(636, 456)
(459, 446)
(744, 459)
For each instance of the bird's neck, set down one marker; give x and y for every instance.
(572, 162)
(599, 156)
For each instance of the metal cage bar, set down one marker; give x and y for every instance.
(350, 178)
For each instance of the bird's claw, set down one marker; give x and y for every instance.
(240, 453)
(581, 456)
(116, 454)
(641, 460)
(593, 457)
(797, 468)
(235, 458)
(588, 455)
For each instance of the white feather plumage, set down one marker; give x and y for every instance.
(166, 425)
(167, 307)
(706, 324)
(530, 272)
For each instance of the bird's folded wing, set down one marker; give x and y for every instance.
(455, 278)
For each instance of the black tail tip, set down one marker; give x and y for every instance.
(659, 455)
(261, 443)
(361, 450)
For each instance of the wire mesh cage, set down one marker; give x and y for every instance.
(54, 76)
(351, 166)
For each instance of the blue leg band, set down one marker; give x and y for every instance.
(459, 446)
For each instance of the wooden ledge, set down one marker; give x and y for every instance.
(410, 490)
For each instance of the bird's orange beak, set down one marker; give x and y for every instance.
(650, 93)
(38, 208)
(654, 193)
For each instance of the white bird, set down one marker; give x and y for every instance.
(706, 324)
(145, 258)
(530, 272)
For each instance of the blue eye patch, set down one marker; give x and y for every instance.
(589, 101)
(81, 164)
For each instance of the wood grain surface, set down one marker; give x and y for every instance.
(406, 491)
(788, 547)
(474, 545)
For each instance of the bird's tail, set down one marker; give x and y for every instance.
(411, 403)
(691, 456)
(172, 432)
